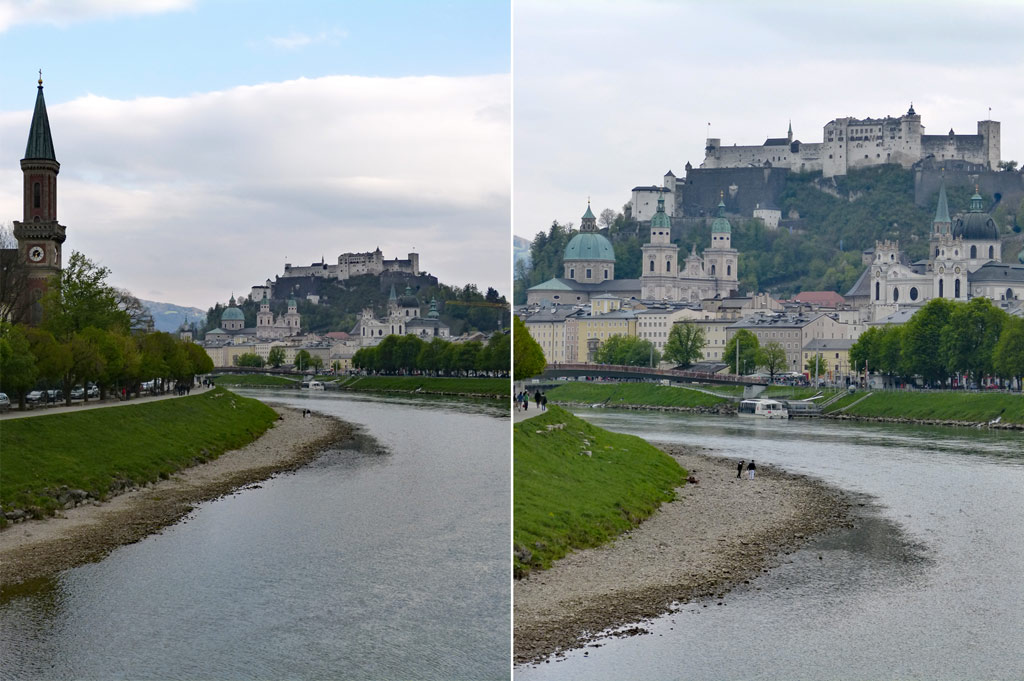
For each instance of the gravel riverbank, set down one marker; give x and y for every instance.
(42, 548)
(720, 531)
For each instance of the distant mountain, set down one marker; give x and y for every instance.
(169, 317)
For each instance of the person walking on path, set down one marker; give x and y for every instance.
(526, 401)
(536, 399)
(739, 469)
(544, 402)
(751, 468)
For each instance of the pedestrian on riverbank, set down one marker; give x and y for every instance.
(751, 468)
(543, 402)
(526, 401)
(536, 399)
(739, 469)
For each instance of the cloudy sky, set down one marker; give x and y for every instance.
(610, 95)
(204, 143)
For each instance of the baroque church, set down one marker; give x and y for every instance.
(589, 266)
(402, 318)
(232, 324)
(964, 261)
(39, 235)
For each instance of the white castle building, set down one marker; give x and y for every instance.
(856, 143)
(355, 264)
(403, 318)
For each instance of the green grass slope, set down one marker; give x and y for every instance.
(937, 406)
(93, 449)
(647, 394)
(494, 387)
(257, 381)
(565, 499)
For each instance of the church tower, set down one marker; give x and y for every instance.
(721, 260)
(39, 235)
(660, 258)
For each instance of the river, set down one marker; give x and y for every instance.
(929, 585)
(385, 558)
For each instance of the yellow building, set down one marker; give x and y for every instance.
(547, 327)
(835, 358)
(592, 330)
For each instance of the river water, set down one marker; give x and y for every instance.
(383, 559)
(929, 585)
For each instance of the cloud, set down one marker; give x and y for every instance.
(208, 194)
(615, 96)
(296, 40)
(66, 12)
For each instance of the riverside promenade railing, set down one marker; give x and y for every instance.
(624, 371)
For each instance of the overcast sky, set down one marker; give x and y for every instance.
(610, 95)
(204, 143)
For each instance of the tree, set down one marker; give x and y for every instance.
(890, 352)
(80, 297)
(18, 372)
(275, 357)
(685, 344)
(628, 350)
(606, 219)
(528, 358)
(1007, 166)
(865, 352)
(970, 337)
(249, 359)
(1008, 357)
(748, 352)
(772, 358)
(14, 306)
(922, 338)
(815, 366)
(302, 360)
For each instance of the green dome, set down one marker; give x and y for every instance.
(589, 246)
(720, 224)
(232, 314)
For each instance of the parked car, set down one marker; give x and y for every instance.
(5, 403)
(54, 395)
(77, 393)
(93, 391)
(35, 396)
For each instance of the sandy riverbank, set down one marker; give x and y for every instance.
(720, 532)
(41, 548)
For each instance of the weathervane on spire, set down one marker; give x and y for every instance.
(41, 80)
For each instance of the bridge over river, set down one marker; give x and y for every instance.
(559, 370)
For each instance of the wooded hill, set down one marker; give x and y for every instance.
(464, 309)
(838, 219)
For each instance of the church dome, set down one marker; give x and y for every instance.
(232, 314)
(589, 246)
(976, 225)
(720, 223)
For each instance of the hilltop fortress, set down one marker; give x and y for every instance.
(858, 143)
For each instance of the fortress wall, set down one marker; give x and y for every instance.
(697, 194)
(1009, 187)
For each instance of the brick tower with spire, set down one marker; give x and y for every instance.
(39, 235)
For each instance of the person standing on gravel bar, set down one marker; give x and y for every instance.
(739, 469)
(751, 468)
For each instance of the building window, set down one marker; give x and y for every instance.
(913, 293)
(36, 198)
(589, 275)
(572, 272)
(606, 274)
(974, 252)
(877, 289)
(712, 270)
(652, 265)
(941, 282)
(728, 270)
(895, 295)
(991, 252)
(668, 265)
(956, 289)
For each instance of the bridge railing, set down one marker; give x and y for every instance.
(702, 376)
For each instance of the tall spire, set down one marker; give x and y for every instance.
(942, 211)
(40, 143)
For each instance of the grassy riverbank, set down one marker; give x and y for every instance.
(98, 450)
(257, 381)
(576, 485)
(647, 394)
(973, 407)
(489, 387)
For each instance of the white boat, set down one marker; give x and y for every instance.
(313, 385)
(768, 409)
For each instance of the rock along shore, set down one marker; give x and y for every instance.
(42, 548)
(719, 532)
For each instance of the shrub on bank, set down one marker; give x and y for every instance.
(576, 485)
(97, 450)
